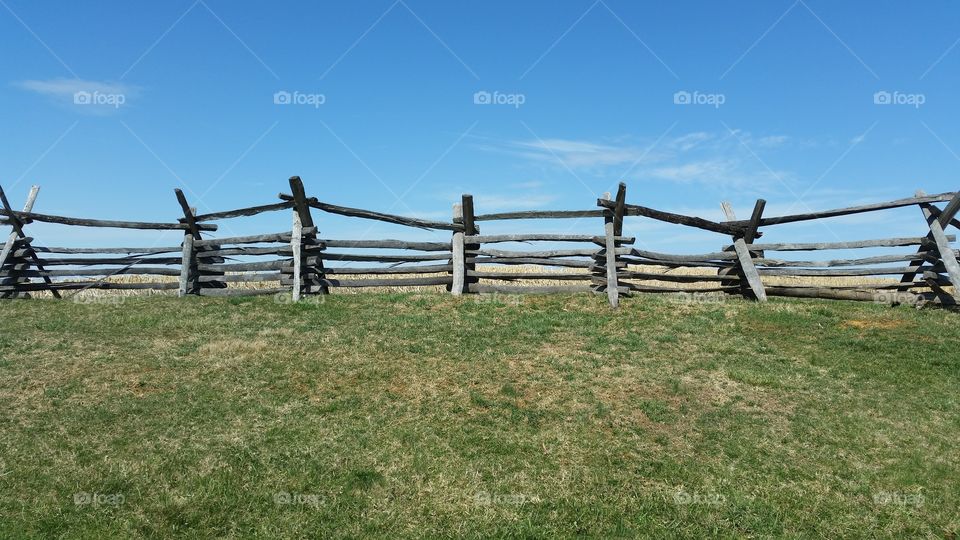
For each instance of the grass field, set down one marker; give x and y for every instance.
(411, 415)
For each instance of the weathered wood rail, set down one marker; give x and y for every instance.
(300, 261)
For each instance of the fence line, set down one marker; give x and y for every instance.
(301, 262)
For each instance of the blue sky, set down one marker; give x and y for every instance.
(388, 118)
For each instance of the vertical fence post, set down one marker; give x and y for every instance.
(296, 243)
(187, 267)
(469, 229)
(456, 248)
(610, 245)
(750, 282)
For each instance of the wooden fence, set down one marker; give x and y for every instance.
(299, 261)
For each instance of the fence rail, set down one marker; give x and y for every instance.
(301, 262)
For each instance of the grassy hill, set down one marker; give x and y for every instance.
(424, 415)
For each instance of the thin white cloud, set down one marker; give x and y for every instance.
(773, 141)
(532, 184)
(577, 154)
(84, 96)
(696, 171)
(690, 141)
(711, 159)
(529, 201)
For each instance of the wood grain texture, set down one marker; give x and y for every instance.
(12, 237)
(295, 238)
(947, 255)
(18, 230)
(458, 285)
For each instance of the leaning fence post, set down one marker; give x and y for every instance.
(748, 272)
(619, 209)
(943, 219)
(456, 248)
(17, 225)
(8, 277)
(27, 207)
(936, 221)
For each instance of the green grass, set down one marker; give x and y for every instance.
(428, 416)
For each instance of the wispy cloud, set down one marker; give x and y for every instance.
(696, 171)
(524, 195)
(524, 201)
(714, 159)
(84, 96)
(576, 154)
(532, 184)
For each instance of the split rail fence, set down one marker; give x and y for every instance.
(299, 261)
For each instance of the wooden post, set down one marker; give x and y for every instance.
(7, 277)
(188, 214)
(28, 206)
(18, 230)
(943, 246)
(187, 266)
(943, 219)
(456, 248)
(618, 210)
(193, 229)
(316, 281)
(296, 239)
(949, 211)
(752, 231)
(469, 229)
(609, 228)
(748, 272)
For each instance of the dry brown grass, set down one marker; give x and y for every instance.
(785, 281)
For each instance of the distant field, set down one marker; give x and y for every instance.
(865, 282)
(423, 415)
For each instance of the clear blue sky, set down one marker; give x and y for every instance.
(399, 130)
